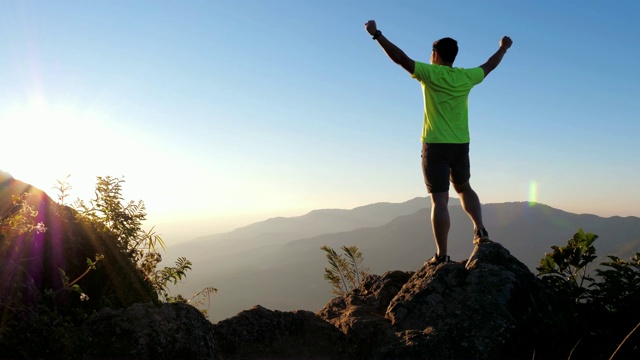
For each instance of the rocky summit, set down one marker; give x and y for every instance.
(487, 307)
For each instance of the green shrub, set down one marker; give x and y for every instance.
(602, 309)
(89, 256)
(122, 220)
(565, 269)
(346, 270)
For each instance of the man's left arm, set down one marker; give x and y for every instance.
(495, 59)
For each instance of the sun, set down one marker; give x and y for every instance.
(44, 142)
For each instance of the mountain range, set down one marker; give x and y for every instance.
(277, 263)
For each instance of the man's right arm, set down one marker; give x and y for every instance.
(393, 52)
(495, 59)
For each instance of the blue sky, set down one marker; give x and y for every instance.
(221, 113)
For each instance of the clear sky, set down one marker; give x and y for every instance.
(222, 113)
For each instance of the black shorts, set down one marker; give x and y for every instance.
(442, 163)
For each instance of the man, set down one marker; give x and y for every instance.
(445, 132)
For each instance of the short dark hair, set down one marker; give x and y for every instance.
(447, 48)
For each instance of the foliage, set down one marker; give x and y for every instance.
(41, 322)
(565, 269)
(169, 274)
(601, 309)
(63, 187)
(122, 220)
(21, 219)
(198, 299)
(75, 287)
(346, 270)
(618, 287)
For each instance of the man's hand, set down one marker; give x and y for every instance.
(495, 59)
(371, 27)
(505, 42)
(395, 54)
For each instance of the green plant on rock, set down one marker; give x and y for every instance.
(602, 309)
(20, 219)
(618, 286)
(122, 220)
(72, 285)
(615, 297)
(345, 271)
(169, 274)
(199, 298)
(63, 188)
(565, 269)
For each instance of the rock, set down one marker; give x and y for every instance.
(489, 307)
(147, 331)
(260, 333)
(17, 287)
(361, 314)
(62, 251)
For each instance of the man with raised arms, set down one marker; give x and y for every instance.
(445, 132)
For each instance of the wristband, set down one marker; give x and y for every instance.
(376, 35)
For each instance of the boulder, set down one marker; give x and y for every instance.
(261, 333)
(489, 307)
(148, 331)
(361, 314)
(17, 287)
(62, 252)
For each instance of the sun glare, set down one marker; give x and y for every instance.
(42, 143)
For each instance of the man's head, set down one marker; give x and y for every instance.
(445, 51)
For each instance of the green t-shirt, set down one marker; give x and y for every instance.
(446, 93)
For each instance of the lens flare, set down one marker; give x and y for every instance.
(533, 193)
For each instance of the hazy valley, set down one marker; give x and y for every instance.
(278, 263)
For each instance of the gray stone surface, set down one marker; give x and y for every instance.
(260, 333)
(487, 308)
(147, 331)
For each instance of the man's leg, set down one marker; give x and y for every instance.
(440, 221)
(470, 203)
(436, 176)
